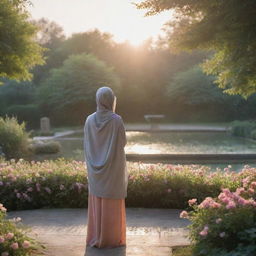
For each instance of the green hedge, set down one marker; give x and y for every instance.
(244, 129)
(63, 183)
(44, 147)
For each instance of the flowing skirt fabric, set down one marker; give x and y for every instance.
(106, 227)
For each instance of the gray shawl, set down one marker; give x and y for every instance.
(104, 142)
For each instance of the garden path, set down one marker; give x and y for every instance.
(150, 232)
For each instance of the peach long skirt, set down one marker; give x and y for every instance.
(106, 227)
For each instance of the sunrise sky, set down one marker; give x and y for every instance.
(119, 17)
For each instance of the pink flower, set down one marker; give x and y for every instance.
(14, 246)
(253, 184)
(30, 189)
(26, 244)
(184, 214)
(219, 220)
(222, 234)
(169, 190)
(5, 254)
(192, 201)
(62, 187)
(18, 195)
(3, 209)
(251, 190)
(48, 190)
(1, 183)
(230, 205)
(203, 233)
(1, 239)
(9, 236)
(239, 191)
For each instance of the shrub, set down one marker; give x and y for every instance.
(63, 183)
(253, 134)
(13, 237)
(47, 147)
(242, 128)
(225, 225)
(13, 138)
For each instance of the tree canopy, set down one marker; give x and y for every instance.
(70, 89)
(19, 51)
(225, 27)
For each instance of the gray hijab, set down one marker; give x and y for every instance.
(104, 142)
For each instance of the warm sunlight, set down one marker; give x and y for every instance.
(120, 18)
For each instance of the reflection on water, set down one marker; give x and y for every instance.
(166, 143)
(187, 142)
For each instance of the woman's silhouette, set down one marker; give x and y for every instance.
(104, 142)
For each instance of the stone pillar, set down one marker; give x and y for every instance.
(45, 124)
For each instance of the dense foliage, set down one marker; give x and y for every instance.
(63, 183)
(13, 138)
(18, 50)
(225, 27)
(149, 75)
(70, 90)
(225, 225)
(244, 129)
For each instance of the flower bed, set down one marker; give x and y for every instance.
(63, 183)
(225, 225)
(13, 238)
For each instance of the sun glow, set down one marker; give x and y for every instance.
(120, 18)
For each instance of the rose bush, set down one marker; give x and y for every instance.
(13, 237)
(225, 225)
(63, 183)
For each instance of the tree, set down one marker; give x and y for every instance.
(225, 27)
(18, 50)
(50, 35)
(193, 93)
(69, 92)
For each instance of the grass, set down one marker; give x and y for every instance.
(182, 251)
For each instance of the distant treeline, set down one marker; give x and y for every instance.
(148, 79)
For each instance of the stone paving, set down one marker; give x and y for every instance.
(150, 232)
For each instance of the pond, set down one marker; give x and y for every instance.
(168, 143)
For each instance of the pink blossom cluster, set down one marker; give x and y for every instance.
(209, 202)
(234, 199)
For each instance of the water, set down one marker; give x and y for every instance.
(170, 142)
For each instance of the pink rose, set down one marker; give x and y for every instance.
(1, 239)
(184, 214)
(192, 201)
(9, 236)
(230, 205)
(14, 246)
(26, 244)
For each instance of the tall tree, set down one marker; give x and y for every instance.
(18, 50)
(225, 27)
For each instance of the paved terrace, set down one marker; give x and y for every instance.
(150, 232)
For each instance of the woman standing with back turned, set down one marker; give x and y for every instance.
(104, 142)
